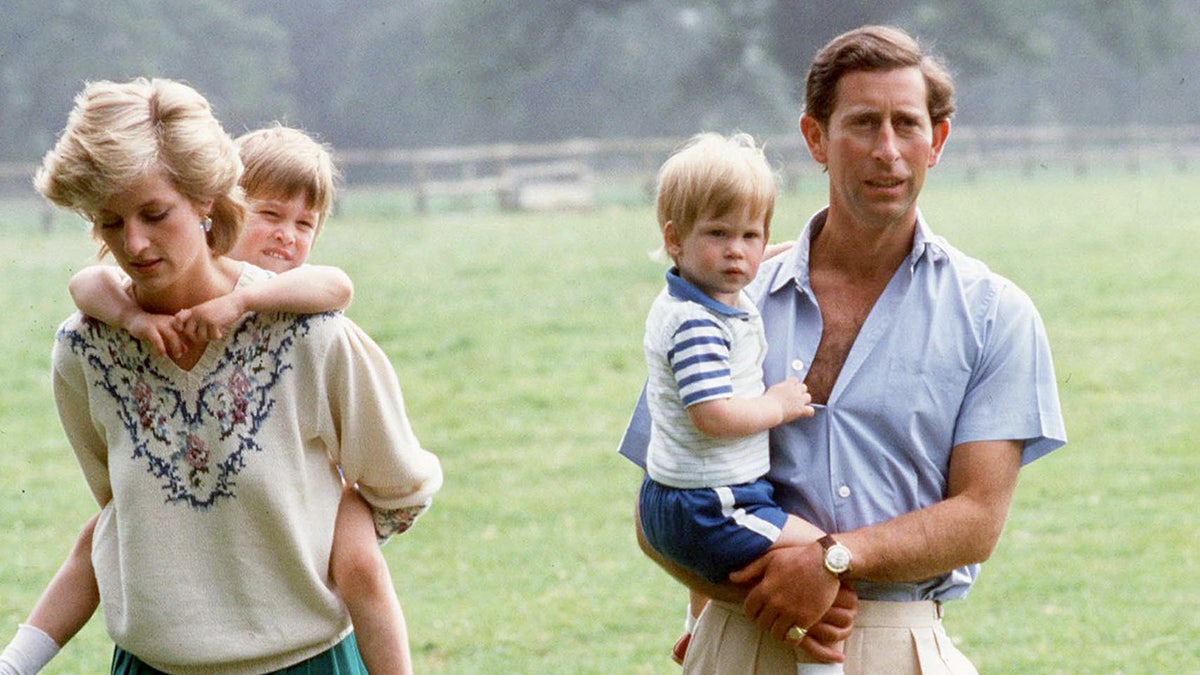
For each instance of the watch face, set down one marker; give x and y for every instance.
(838, 558)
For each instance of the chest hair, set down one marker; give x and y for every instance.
(845, 304)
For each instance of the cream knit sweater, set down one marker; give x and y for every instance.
(220, 485)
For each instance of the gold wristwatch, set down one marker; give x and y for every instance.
(837, 556)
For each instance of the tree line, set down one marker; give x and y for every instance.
(417, 73)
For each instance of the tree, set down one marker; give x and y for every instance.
(549, 69)
(735, 53)
(49, 49)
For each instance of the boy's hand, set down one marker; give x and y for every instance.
(793, 398)
(208, 320)
(159, 330)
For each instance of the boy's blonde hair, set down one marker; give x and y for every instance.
(711, 176)
(283, 162)
(118, 133)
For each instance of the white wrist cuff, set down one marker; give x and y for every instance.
(30, 650)
(689, 624)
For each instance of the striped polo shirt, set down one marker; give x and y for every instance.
(698, 349)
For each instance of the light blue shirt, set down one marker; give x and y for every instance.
(950, 353)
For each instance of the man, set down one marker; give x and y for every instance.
(931, 378)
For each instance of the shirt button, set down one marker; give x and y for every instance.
(844, 491)
(797, 365)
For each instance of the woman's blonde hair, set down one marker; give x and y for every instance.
(284, 162)
(118, 133)
(711, 176)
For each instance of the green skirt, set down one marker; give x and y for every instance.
(340, 659)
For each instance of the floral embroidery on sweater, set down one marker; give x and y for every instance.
(196, 439)
(389, 523)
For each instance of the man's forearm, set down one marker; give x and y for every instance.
(961, 530)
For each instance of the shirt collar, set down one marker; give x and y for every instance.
(794, 268)
(682, 289)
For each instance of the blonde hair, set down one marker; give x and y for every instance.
(711, 176)
(118, 133)
(284, 162)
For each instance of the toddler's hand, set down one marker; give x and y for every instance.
(793, 398)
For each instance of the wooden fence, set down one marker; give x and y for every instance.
(514, 173)
(566, 174)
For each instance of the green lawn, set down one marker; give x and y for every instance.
(517, 339)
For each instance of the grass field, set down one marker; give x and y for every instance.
(517, 341)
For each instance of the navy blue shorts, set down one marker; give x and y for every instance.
(711, 531)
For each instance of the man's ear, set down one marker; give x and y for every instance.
(941, 131)
(814, 137)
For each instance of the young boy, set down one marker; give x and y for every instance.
(705, 504)
(289, 182)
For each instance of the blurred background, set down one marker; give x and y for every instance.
(1071, 169)
(382, 75)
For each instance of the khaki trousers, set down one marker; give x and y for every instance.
(890, 638)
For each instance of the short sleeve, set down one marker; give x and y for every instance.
(1013, 393)
(698, 356)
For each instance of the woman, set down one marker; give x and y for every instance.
(219, 470)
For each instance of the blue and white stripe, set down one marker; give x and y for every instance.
(700, 350)
(699, 359)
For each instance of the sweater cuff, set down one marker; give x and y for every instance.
(390, 522)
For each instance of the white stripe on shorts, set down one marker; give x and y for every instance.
(750, 522)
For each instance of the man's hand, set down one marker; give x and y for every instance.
(823, 636)
(773, 250)
(791, 587)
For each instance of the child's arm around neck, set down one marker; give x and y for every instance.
(102, 292)
(307, 289)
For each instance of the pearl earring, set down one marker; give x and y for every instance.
(206, 224)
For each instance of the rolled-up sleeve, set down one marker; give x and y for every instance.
(375, 444)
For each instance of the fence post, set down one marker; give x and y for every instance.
(420, 176)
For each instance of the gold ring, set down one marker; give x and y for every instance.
(796, 633)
